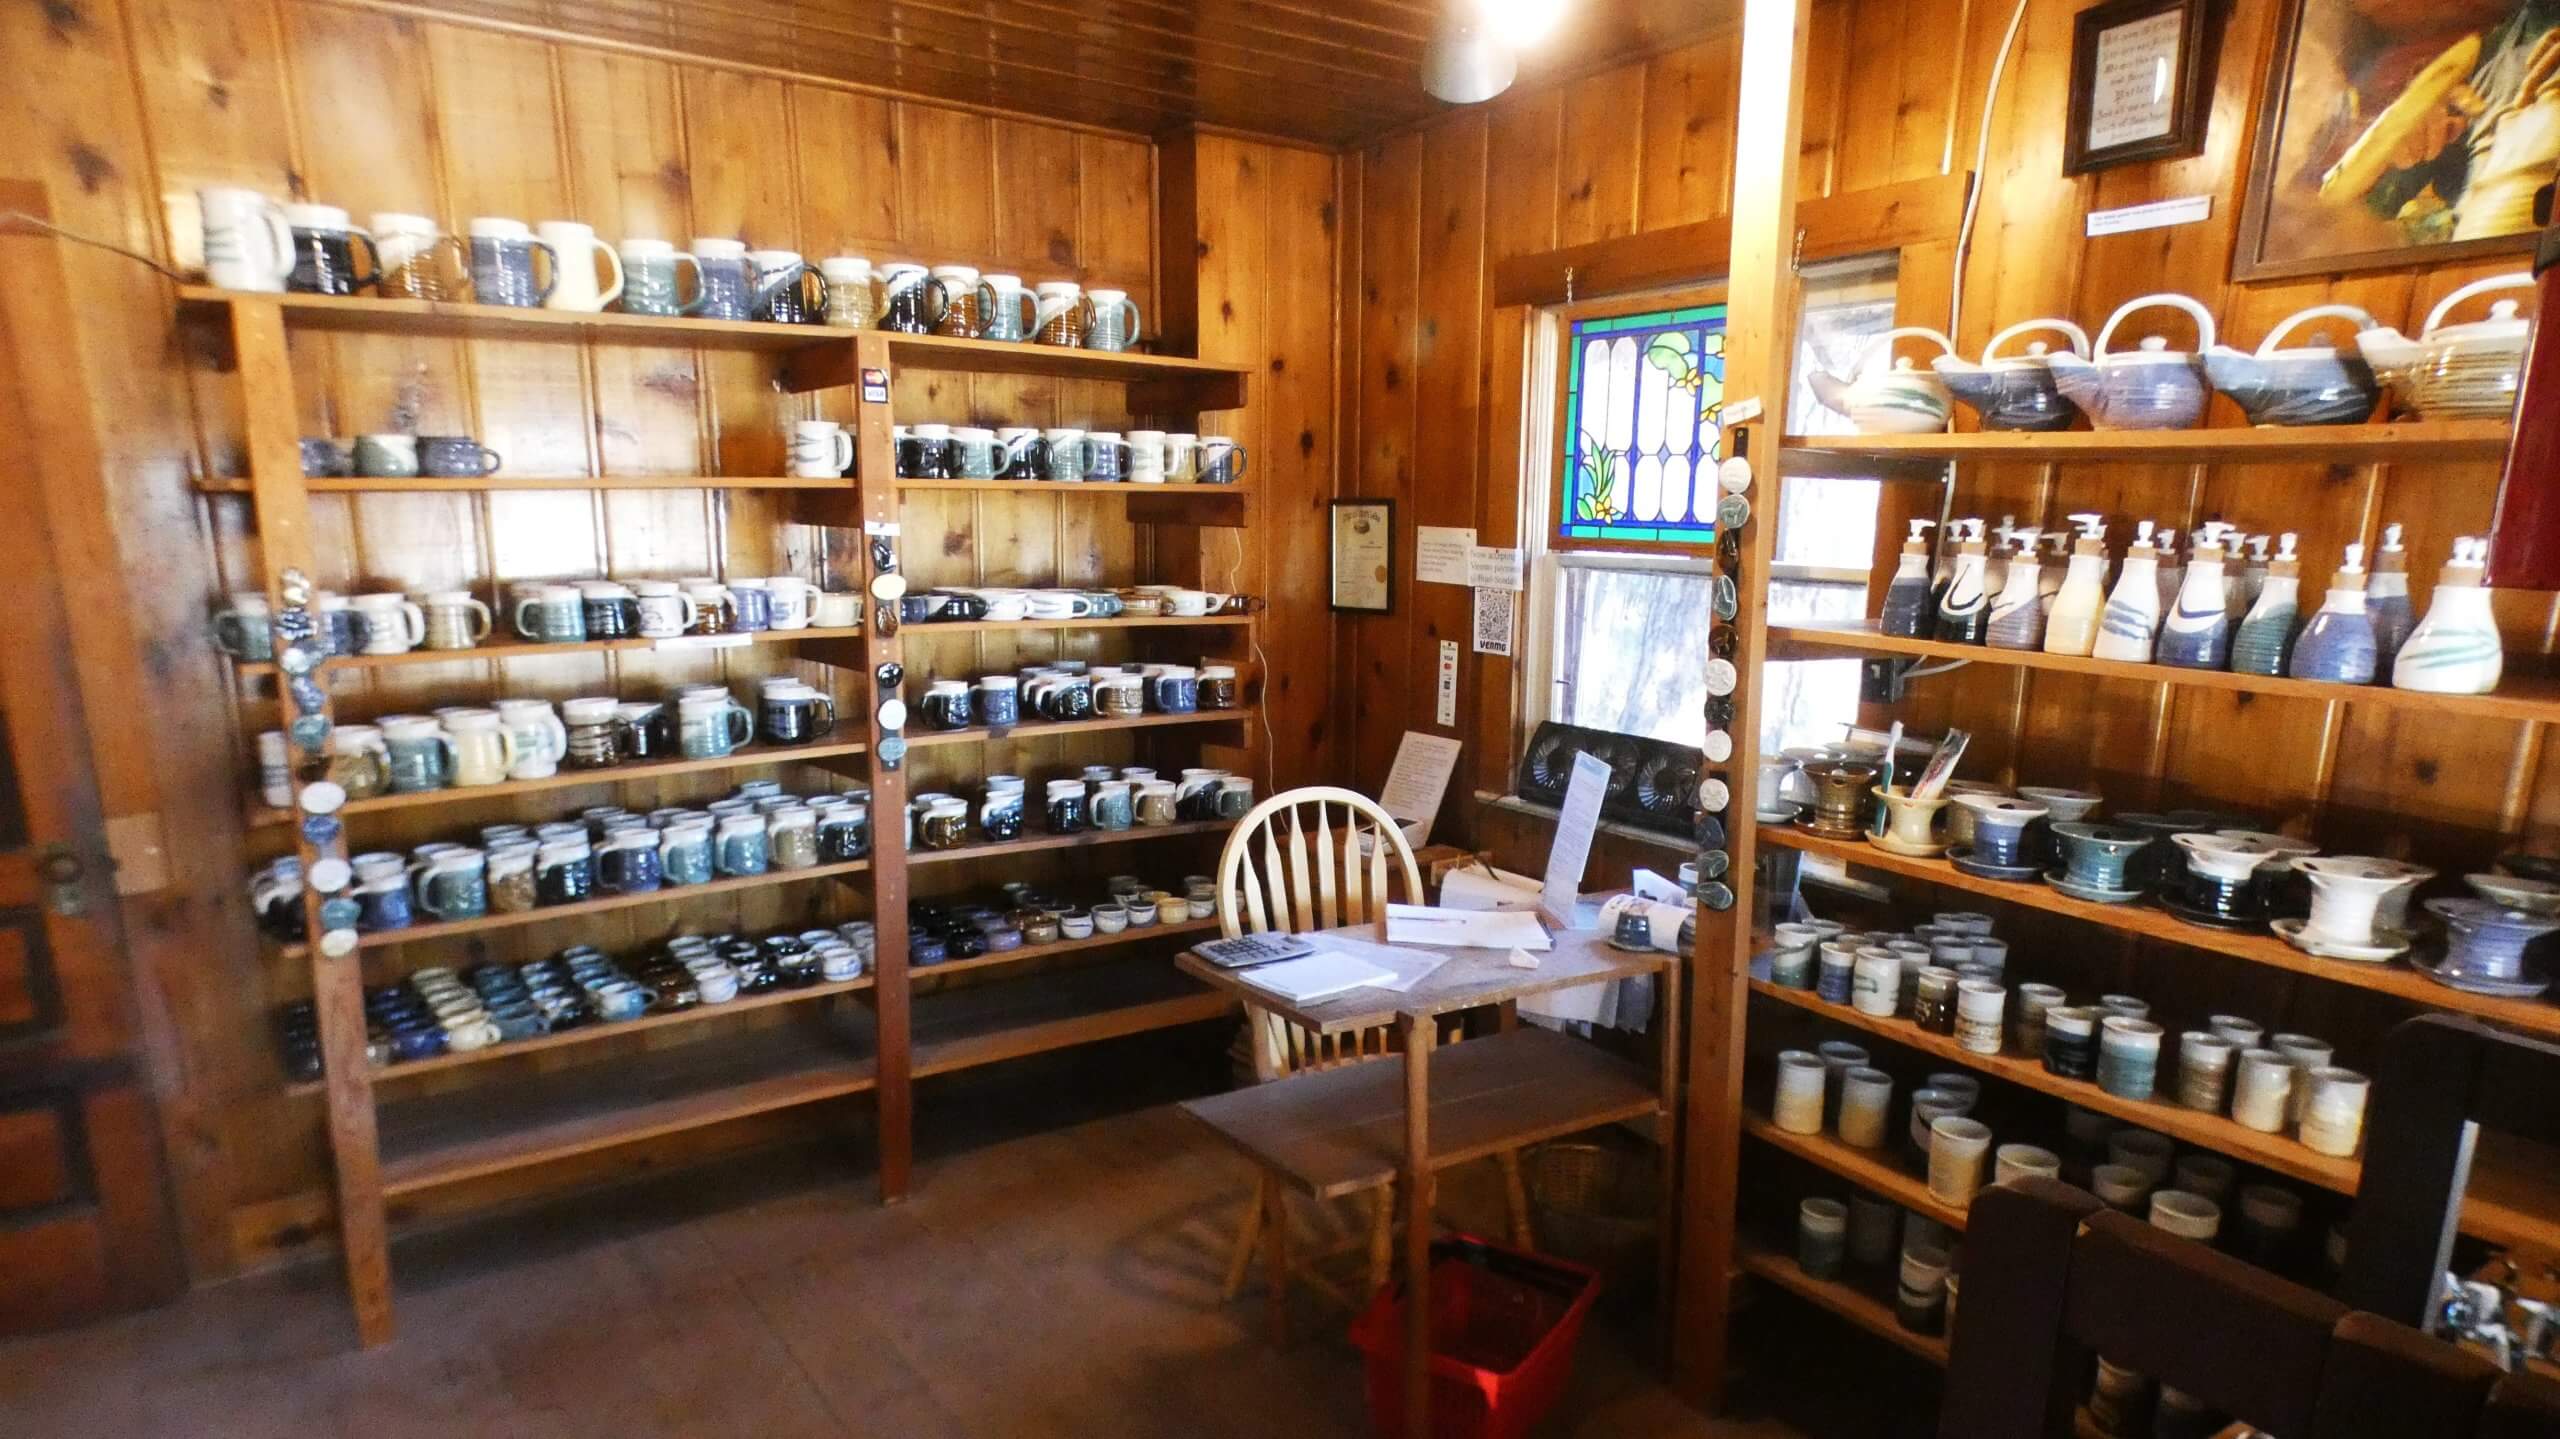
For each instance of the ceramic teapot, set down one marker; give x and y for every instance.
(2466, 371)
(2312, 384)
(1889, 396)
(2150, 388)
(2015, 392)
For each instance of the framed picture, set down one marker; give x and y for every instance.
(1364, 553)
(2141, 83)
(2400, 134)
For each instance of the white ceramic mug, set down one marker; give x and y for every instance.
(1114, 321)
(483, 750)
(1146, 457)
(394, 625)
(820, 449)
(665, 609)
(837, 609)
(541, 740)
(247, 244)
(578, 252)
(791, 601)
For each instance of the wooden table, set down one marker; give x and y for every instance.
(1335, 1129)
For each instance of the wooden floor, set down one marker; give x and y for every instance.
(1044, 1281)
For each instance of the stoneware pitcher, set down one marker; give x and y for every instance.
(2151, 387)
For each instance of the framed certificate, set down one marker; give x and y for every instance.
(1364, 546)
(2139, 83)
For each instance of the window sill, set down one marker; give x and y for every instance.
(1513, 804)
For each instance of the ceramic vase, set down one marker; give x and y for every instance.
(1911, 825)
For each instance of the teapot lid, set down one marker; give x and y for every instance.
(2503, 324)
(2155, 350)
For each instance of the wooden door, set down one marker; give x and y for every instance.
(85, 1223)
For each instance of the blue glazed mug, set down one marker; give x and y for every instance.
(385, 905)
(421, 754)
(502, 268)
(454, 886)
(684, 856)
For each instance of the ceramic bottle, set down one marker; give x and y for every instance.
(2253, 578)
(2168, 569)
(2264, 641)
(2387, 602)
(2073, 625)
(1964, 610)
(2017, 613)
(2455, 649)
(2132, 615)
(2196, 635)
(2338, 643)
(1910, 602)
(1995, 567)
(2049, 570)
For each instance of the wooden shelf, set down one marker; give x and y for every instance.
(1059, 728)
(433, 1140)
(499, 653)
(1118, 489)
(569, 1039)
(2528, 698)
(990, 1023)
(2505, 1207)
(1847, 1300)
(2440, 440)
(1870, 1169)
(671, 894)
(1030, 843)
(2395, 979)
(372, 315)
(997, 357)
(934, 629)
(1188, 928)
(747, 758)
(497, 484)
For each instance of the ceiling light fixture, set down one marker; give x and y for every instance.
(1520, 24)
(1463, 64)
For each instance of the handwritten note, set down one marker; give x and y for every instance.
(1578, 821)
(1441, 552)
(1420, 776)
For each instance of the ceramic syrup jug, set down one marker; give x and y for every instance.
(2313, 384)
(1889, 396)
(2465, 371)
(2149, 388)
(2015, 392)
(2455, 650)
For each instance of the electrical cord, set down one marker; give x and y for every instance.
(21, 217)
(1981, 157)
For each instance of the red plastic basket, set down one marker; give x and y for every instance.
(1503, 1327)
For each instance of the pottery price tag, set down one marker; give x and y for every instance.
(1494, 614)
(1493, 567)
(1440, 554)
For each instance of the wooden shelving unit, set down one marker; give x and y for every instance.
(2395, 978)
(1870, 1169)
(2530, 698)
(1866, 1310)
(814, 1044)
(2438, 440)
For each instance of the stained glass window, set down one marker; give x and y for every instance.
(1642, 396)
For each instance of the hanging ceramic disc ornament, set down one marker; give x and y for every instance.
(1733, 512)
(1723, 640)
(321, 796)
(893, 750)
(1727, 598)
(1734, 475)
(1719, 746)
(1719, 712)
(1714, 795)
(299, 658)
(339, 943)
(323, 831)
(1722, 676)
(893, 715)
(1715, 894)
(1710, 832)
(888, 586)
(307, 696)
(1712, 863)
(310, 733)
(341, 912)
(331, 875)
(1729, 549)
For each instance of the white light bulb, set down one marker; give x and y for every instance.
(1521, 24)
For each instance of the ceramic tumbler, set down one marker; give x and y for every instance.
(2071, 1042)
(1797, 1107)
(2013, 1162)
(2210, 1175)
(2333, 1110)
(2189, 1216)
(1866, 1101)
(1875, 1227)
(1822, 1237)
(2204, 1070)
(2148, 1150)
(2262, 1091)
(2128, 1057)
(1979, 1003)
(1920, 1299)
(1957, 1147)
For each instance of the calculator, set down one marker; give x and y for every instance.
(1248, 950)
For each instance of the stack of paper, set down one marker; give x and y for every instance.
(1317, 976)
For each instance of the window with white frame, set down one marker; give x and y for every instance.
(1624, 590)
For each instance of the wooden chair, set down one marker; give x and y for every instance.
(1309, 859)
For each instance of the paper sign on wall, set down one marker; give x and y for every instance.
(1575, 824)
(1493, 567)
(1440, 554)
(2159, 214)
(1493, 621)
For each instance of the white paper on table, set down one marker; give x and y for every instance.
(1474, 889)
(1314, 976)
(1441, 553)
(1424, 763)
(1576, 823)
(1409, 967)
(1466, 928)
(1648, 885)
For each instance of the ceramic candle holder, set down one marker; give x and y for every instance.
(2096, 855)
(1999, 828)
(2281, 891)
(2217, 884)
(2485, 944)
(1911, 825)
(1960, 819)
(2061, 806)
(2348, 894)
(1840, 789)
(2158, 863)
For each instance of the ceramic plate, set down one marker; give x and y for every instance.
(2507, 989)
(2386, 947)
(1961, 856)
(2177, 905)
(1813, 826)
(2061, 883)
(1774, 816)
(1926, 851)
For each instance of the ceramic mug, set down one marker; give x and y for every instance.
(782, 280)
(541, 741)
(409, 248)
(579, 257)
(455, 620)
(455, 457)
(835, 609)
(502, 263)
(955, 311)
(324, 252)
(907, 302)
(653, 278)
(483, 750)
(725, 275)
(1058, 313)
(394, 623)
(246, 629)
(1222, 460)
(247, 243)
(389, 457)
(665, 609)
(851, 302)
(1006, 311)
(1113, 323)
(820, 449)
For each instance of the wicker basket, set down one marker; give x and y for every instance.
(1594, 1201)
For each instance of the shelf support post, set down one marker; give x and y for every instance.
(1759, 355)
(875, 471)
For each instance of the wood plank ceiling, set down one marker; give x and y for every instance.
(1328, 71)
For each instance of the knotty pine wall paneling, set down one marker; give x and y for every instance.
(125, 102)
